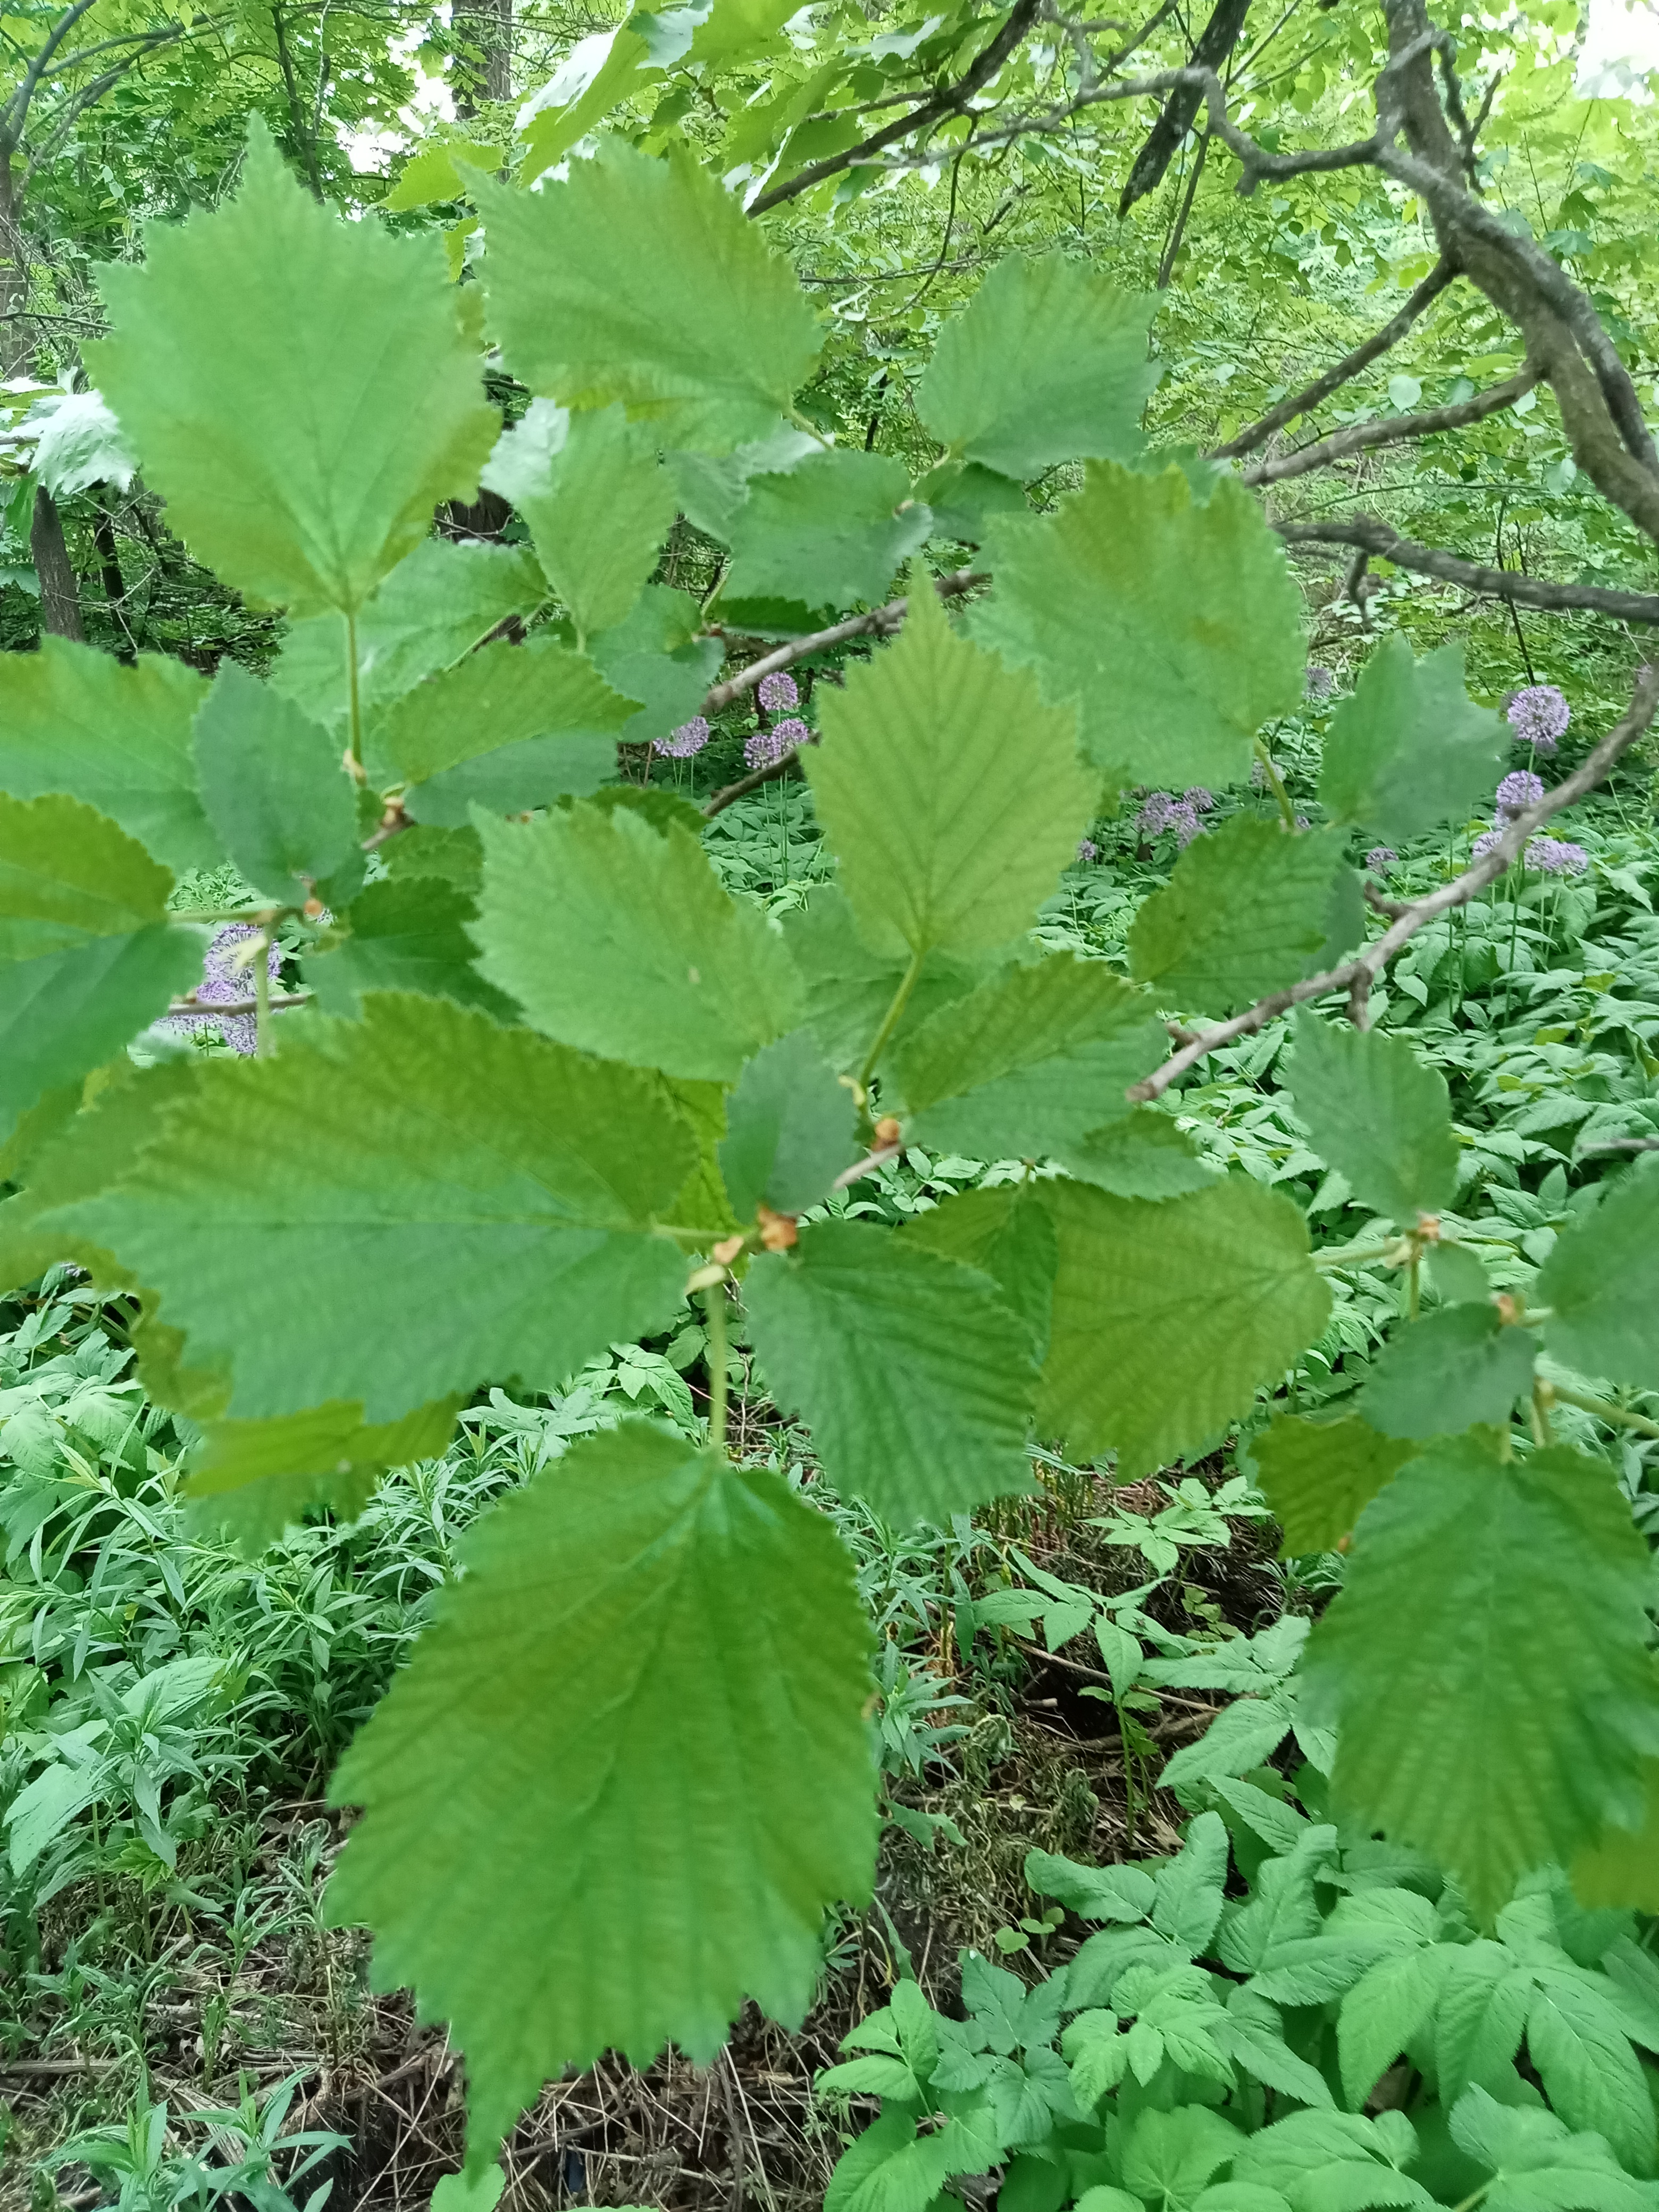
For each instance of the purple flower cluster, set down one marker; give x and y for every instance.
(1381, 859)
(1163, 811)
(223, 984)
(1519, 790)
(778, 689)
(763, 747)
(1555, 856)
(1321, 682)
(680, 744)
(1485, 842)
(1539, 715)
(1087, 849)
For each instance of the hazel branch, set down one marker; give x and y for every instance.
(1392, 430)
(1355, 976)
(1380, 541)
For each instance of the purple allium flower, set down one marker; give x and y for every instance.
(1087, 849)
(778, 689)
(1184, 820)
(1196, 796)
(1539, 715)
(1555, 856)
(223, 984)
(1321, 682)
(1487, 841)
(1154, 816)
(680, 744)
(1381, 859)
(1519, 790)
(763, 747)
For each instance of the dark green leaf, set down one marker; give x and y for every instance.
(275, 791)
(1450, 1371)
(792, 1127)
(1242, 914)
(1377, 1115)
(1410, 748)
(1319, 1476)
(829, 531)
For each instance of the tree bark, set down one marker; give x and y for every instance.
(60, 596)
(487, 28)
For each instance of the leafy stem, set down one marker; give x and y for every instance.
(1620, 1416)
(890, 1022)
(354, 699)
(713, 1305)
(1276, 784)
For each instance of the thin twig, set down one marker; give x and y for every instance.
(1361, 436)
(1382, 542)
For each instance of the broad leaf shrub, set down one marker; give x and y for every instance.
(1333, 2033)
(555, 1077)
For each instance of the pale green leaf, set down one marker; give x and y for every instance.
(1591, 2074)
(1323, 2161)
(1006, 1232)
(253, 1478)
(1409, 747)
(1242, 914)
(1538, 2164)
(1375, 1113)
(952, 798)
(438, 603)
(1244, 1735)
(1602, 1283)
(913, 1376)
(1169, 1316)
(1387, 2007)
(75, 720)
(429, 176)
(850, 989)
(734, 28)
(1169, 2156)
(1457, 1274)
(598, 72)
(1481, 2018)
(274, 788)
(792, 1126)
(88, 957)
(81, 444)
(711, 489)
(405, 934)
(506, 1185)
(1484, 1663)
(301, 389)
(832, 530)
(1319, 1476)
(657, 656)
(642, 281)
(614, 1720)
(1144, 1155)
(1031, 1062)
(509, 728)
(597, 500)
(454, 857)
(1047, 362)
(1176, 627)
(1621, 1867)
(620, 939)
(962, 497)
(1447, 1372)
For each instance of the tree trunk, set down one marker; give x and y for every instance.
(60, 598)
(115, 586)
(16, 346)
(486, 26)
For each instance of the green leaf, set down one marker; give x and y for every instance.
(627, 1639)
(1484, 1663)
(850, 989)
(952, 796)
(1109, 1893)
(1591, 2074)
(511, 727)
(792, 1127)
(598, 503)
(1190, 1887)
(1169, 2156)
(1242, 914)
(1539, 2164)
(1333, 2162)
(584, 97)
(657, 656)
(1047, 362)
(1245, 1736)
(1319, 1476)
(88, 957)
(407, 934)
(1008, 1234)
(1144, 1155)
(435, 605)
(255, 1478)
(914, 1376)
(429, 176)
(1168, 1317)
(1601, 1282)
(302, 390)
(1378, 1115)
(831, 531)
(1481, 2018)
(712, 489)
(274, 788)
(1387, 2007)
(422, 1146)
(642, 281)
(1447, 1372)
(1621, 1867)
(449, 856)
(1409, 747)
(1030, 1063)
(1457, 1274)
(458, 2192)
(962, 497)
(620, 939)
(1176, 627)
(74, 721)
